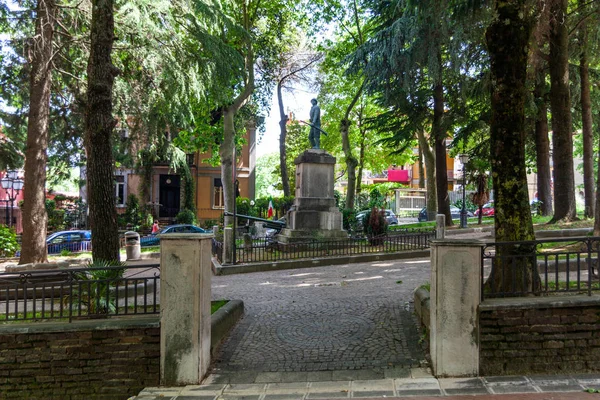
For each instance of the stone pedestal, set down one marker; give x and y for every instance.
(455, 297)
(185, 263)
(314, 213)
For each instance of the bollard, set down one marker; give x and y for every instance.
(455, 297)
(440, 226)
(185, 320)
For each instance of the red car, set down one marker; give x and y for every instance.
(487, 210)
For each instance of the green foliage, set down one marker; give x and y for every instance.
(376, 199)
(349, 219)
(280, 205)
(8, 241)
(133, 212)
(469, 204)
(65, 252)
(338, 197)
(245, 206)
(56, 216)
(268, 176)
(186, 216)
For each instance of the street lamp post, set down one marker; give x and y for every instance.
(13, 185)
(464, 158)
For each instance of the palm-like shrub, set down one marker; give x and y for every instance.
(92, 289)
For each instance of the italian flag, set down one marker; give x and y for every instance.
(270, 210)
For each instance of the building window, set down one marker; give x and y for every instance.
(120, 189)
(218, 199)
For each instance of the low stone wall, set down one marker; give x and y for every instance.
(546, 335)
(109, 359)
(222, 321)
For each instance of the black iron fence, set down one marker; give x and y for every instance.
(79, 293)
(217, 248)
(268, 249)
(541, 267)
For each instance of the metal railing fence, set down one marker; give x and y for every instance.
(541, 267)
(265, 249)
(217, 249)
(78, 293)
(71, 247)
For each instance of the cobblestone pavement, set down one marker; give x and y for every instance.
(336, 318)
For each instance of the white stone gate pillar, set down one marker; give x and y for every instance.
(185, 276)
(455, 297)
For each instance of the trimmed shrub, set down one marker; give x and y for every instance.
(186, 217)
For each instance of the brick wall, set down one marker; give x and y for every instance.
(110, 359)
(546, 335)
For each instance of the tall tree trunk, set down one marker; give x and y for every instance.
(351, 163)
(226, 151)
(560, 105)
(99, 125)
(283, 119)
(35, 219)
(361, 160)
(421, 169)
(542, 143)
(429, 157)
(508, 42)
(441, 166)
(586, 120)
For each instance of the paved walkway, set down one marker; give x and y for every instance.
(498, 388)
(338, 318)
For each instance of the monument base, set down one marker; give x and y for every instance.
(290, 236)
(314, 214)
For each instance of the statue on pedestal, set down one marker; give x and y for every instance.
(315, 125)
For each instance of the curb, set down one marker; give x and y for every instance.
(422, 306)
(478, 229)
(222, 321)
(219, 269)
(561, 233)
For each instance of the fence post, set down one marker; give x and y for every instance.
(185, 262)
(440, 226)
(455, 297)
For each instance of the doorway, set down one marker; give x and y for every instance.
(169, 196)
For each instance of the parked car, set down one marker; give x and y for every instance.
(390, 217)
(487, 210)
(454, 212)
(154, 240)
(69, 240)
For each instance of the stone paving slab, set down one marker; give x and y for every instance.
(400, 388)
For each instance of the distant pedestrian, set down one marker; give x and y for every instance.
(155, 227)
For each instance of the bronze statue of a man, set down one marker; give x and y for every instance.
(315, 129)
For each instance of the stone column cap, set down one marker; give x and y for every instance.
(315, 156)
(166, 236)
